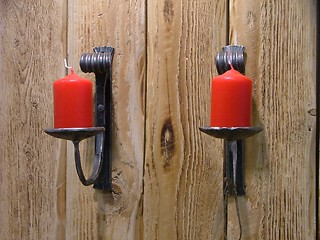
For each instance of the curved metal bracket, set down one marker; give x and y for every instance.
(76, 135)
(97, 162)
(231, 54)
(100, 63)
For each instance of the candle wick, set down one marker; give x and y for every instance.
(66, 66)
(231, 66)
(229, 59)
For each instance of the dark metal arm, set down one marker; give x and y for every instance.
(97, 162)
(100, 63)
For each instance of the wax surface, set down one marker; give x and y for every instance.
(231, 100)
(73, 102)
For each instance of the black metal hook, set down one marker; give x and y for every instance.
(100, 63)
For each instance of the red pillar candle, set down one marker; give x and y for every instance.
(73, 102)
(231, 100)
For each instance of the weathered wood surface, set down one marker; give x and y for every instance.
(280, 43)
(167, 175)
(183, 168)
(32, 179)
(94, 214)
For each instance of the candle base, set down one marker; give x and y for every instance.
(231, 133)
(74, 134)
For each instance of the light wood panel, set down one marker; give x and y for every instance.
(183, 168)
(121, 24)
(279, 37)
(167, 175)
(32, 175)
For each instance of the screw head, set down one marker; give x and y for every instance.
(100, 108)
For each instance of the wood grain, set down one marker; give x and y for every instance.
(121, 24)
(279, 37)
(183, 168)
(167, 176)
(32, 179)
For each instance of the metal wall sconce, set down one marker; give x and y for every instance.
(233, 184)
(100, 63)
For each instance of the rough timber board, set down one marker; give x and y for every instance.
(183, 168)
(32, 165)
(279, 37)
(92, 214)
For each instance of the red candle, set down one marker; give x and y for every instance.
(73, 102)
(231, 100)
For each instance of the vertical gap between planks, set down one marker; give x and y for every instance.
(145, 96)
(226, 197)
(66, 50)
(145, 115)
(318, 117)
(67, 34)
(227, 22)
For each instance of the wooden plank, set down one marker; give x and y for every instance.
(32, 175)
(94, 214)
(279, 37)
(183, 168)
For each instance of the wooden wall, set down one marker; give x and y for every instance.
(167, 175)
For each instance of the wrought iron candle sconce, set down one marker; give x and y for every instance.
(100, 63)
(233, 183)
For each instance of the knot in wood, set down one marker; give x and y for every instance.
(167, 140)
(168, 11)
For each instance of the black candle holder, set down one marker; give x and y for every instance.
(233, 152)
(100, 63)
(233, 183)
